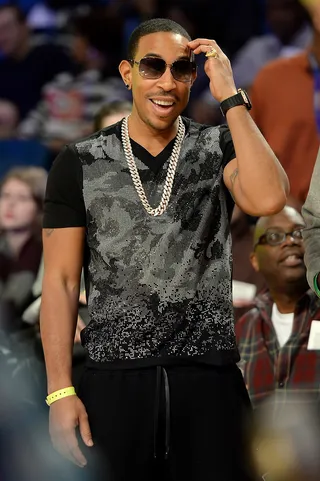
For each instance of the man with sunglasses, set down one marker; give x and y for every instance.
(274, 337)
(145, 204)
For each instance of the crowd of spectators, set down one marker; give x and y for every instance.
(59, 81)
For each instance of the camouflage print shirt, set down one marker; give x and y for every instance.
(159, 288)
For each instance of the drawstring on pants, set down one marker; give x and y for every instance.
(161, 371)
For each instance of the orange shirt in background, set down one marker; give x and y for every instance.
(283, 107)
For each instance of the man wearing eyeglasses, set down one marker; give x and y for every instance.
(277, 350)
(145, 205)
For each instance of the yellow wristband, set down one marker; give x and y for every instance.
(56, 395)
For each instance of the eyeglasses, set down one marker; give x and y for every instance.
(154, 67)
(277, 237)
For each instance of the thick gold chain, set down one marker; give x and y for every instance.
(170, 174)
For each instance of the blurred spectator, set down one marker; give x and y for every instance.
(9, 118)
(14, 151)
(70, 102)
(290, 32)
(21, 203)
(273, 337)
(247, 281)
(24, 68)
(110, 114)
(285, 98)
(24, 5)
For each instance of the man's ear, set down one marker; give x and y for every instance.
(126, 73)
(254, 262)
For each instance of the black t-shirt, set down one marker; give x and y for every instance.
(158, 287)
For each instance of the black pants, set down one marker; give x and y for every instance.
(176, 423)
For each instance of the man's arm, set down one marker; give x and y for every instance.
(311, 234)
(63, 255)
(63, 258)
(255, 177)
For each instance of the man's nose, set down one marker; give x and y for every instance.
(290, 239)
(167, 81)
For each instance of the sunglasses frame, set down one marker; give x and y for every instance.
(170, 65)
(263, 238)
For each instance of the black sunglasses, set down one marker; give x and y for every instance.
(277, 237)
(154, 67)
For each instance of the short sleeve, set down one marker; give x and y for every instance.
(64, 204)
(226, 145)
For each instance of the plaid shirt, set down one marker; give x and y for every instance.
(269, 369)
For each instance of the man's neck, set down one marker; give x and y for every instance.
(286, 299)
(153, 140)
(16, 240)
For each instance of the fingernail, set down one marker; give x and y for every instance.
(90, 442)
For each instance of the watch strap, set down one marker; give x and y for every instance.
(241, 98)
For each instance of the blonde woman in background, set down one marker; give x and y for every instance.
(22, 193)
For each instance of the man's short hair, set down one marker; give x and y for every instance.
(110, 109)
(19, 13)
(153, 26)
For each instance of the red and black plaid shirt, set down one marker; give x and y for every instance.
(269, 369)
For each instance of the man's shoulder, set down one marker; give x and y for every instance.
(201, 132)
(251, 316)
(97, 138)
(286, 66)
(261, 303)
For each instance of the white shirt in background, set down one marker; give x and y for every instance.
(282, 324)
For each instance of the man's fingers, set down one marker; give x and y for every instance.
(204, 49)
(200, 41)
(203, 45)
(85, 431)
(67, 445)
(61, 447)
(74, 450)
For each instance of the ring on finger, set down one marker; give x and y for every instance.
(212, 53)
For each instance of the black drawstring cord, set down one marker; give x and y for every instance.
(161, 370)
(156, 411)
(167, 402)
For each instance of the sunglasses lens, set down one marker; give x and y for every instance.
(182, 70)
(151, 67)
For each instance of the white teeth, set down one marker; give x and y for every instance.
(163, 102)
(292, 257)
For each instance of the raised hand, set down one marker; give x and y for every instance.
(217, 67)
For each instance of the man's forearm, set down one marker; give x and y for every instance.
(59, 309)
(261, 178)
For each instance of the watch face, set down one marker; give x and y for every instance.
(245, 98)
(244, 95)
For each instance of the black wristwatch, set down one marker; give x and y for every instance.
(241, 98)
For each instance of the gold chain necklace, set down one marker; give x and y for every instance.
(170, 174)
